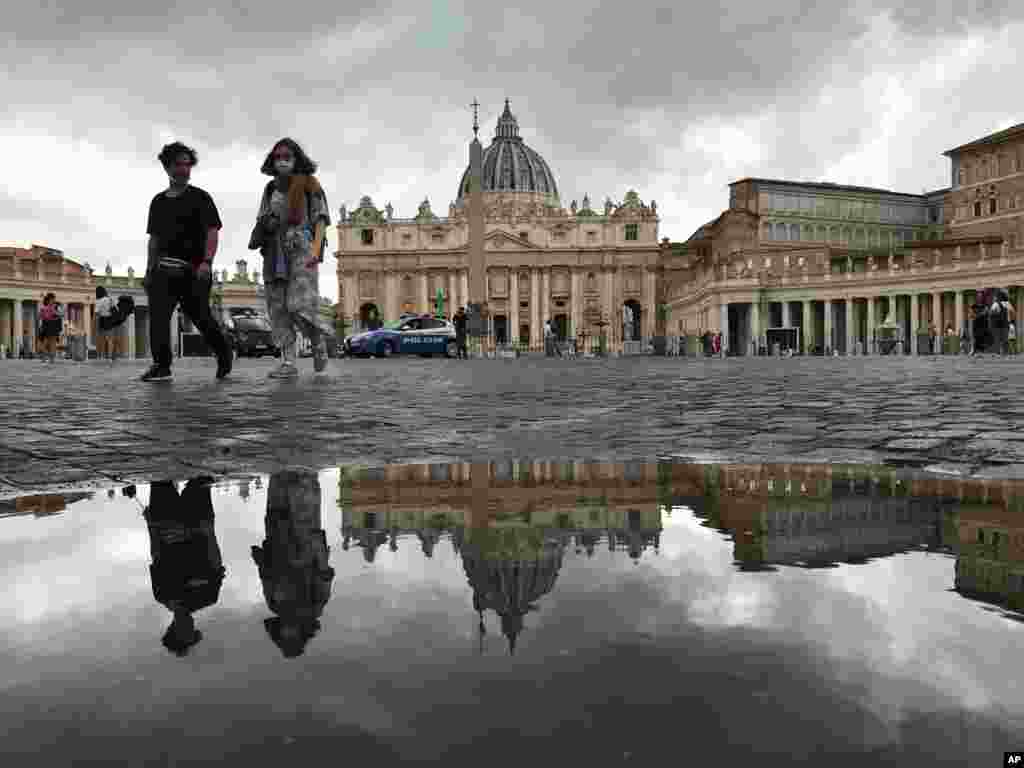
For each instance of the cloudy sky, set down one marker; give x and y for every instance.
(673, 101)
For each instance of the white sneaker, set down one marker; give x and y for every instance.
(285, 370)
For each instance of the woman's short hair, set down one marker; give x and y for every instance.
(303, 165)
(100, 291)
(170, 153)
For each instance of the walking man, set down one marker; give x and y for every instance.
(183, 227)
(460, 320)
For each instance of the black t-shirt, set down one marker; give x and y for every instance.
(180, 223)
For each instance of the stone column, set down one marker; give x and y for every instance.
(869, 341)
(425, 304)
(513, 305)
(464, 286)
(130, 325)
(16, 323)
(851, 337)
(755, 324)
(175, 322)
(723, 325)
(937, 311)
(545, 295)
(786, 320)
(915, 321)
(807, 329)
(829, 342)
(574, 301)
(535, 335)
(453, 295)
(959, 309)
(650, 302)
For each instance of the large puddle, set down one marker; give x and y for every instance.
(498, 613)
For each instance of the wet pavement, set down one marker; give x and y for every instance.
(510, 613)
(70, 425)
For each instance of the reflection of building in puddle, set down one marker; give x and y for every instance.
(990, 550)
(510, 523)
(509, 570)
(40, 505)
(583, 505)
(807, 515)
(816, 516)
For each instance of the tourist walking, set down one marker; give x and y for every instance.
(460, 320)
(106, 337)
(49, 327)
(290, 233)
(183, 230)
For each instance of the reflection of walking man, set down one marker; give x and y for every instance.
(293, 561)
(460, 320)
(187, 570)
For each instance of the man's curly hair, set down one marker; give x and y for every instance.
(303, 165)
(170, 153)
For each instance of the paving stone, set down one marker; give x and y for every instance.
(819, 409)
(913, 444)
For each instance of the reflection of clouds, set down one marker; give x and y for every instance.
(895, 614)
(889, 630)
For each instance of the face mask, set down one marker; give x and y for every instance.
(284, 166)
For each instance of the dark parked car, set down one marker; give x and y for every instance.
(250, 335)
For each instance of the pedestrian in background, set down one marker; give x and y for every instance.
(49, 327)
(183, 228)
(460, 320)
(106, 335)
(290, 233)
(999, 314)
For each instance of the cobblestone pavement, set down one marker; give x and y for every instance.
(92, 424)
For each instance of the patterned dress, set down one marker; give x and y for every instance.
(292, 288)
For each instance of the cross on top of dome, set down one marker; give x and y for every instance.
(508, 126)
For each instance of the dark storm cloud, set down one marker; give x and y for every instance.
(614, 96)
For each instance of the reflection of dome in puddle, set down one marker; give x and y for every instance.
(509, 587)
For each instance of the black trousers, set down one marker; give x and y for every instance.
(169, 288)
(460, 345)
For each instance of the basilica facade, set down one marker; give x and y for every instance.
(590, 271)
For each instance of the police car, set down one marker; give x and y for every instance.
(420, 335)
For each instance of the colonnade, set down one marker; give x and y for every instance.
(848, 323)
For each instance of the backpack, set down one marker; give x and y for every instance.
(998, 314)
(118, 314)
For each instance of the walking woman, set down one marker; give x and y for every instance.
(49, 327)
(290, 233)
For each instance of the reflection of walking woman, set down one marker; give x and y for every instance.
(293, 561)
(293, 217)
(49, 327)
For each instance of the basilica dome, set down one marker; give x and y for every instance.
(511, 167)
